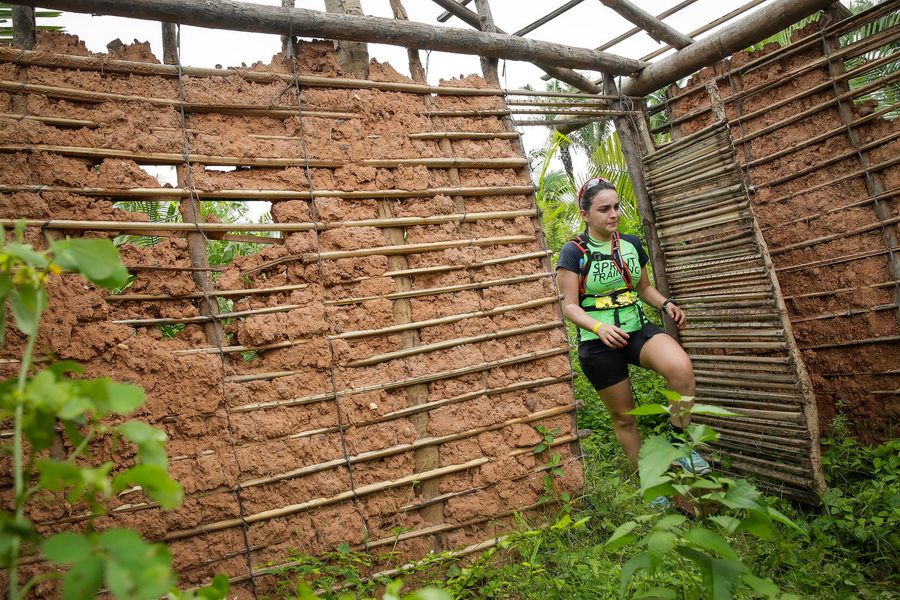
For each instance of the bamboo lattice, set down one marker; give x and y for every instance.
(738, 335)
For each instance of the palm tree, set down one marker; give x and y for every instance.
(6, 31)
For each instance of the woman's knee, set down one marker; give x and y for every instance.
(623, 420)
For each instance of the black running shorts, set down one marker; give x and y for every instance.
(605, 366)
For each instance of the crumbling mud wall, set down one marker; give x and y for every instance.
(819, 156)
(374, 374)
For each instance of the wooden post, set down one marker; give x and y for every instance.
(657, 30)
(352, 56)
(486, 24)
(23, 26)
(170, 44)
(416, 70)
(287, 41)
(634, 148)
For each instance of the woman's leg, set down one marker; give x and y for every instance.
(618, 400)
(664, 355)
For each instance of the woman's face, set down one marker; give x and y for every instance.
(603, 216)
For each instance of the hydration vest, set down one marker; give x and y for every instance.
(612, 300)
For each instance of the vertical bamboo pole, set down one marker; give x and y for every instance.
(429, 457)
(634, 148)
(416, 71)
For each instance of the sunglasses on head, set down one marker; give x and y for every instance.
(589, 184)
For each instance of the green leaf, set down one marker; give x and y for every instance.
(708, 409)
(155, 482)
(656, 594)
(62, 367)
(622, 536)
(83, 580)
(28, 301)
(762, 586)
(674, 396)
(659, 543)
(670, 523)
(26, 254)
(641, 561)
(654, 459)
(150, 442)
(711, 541)
(216, 590)
(124, 397)
(67, 548)
(39, 427)
(728, 523)
(649, 409)
(96, 259)
(134, 568)
(721, 577)
(701, 434)
(428, 594)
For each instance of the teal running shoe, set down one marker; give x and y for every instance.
(694, 464)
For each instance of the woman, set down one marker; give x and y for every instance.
(602, 277)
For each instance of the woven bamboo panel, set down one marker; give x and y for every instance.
(738, 336)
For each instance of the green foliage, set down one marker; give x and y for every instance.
(221, 252)
(699, 549)
(50, 399)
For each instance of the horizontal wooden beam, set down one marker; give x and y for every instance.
(761, 24)
(657, 30)
(243, 16)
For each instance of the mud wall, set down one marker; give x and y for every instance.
(376, 371)
(819, 158)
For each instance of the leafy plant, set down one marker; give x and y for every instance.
(117, 559)
(716, 570)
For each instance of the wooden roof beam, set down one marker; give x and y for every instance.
(658, 30)
(765, 22)
(576, 80)
(445, 16)
(244, 16)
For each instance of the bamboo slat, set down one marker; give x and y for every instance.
(168, 194)
(401, 448)
(758, 346)
(417, 248)
(515, 360)
(207, 318)
(836, 261)
(232, 349)
(450, 289)
(444, 320)
(837, 314)
(105, 64)
(464, 135)
(214, 294)
(279, 112)
(319, 502)
(426, 348)
(58, 122)
(261, 376)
